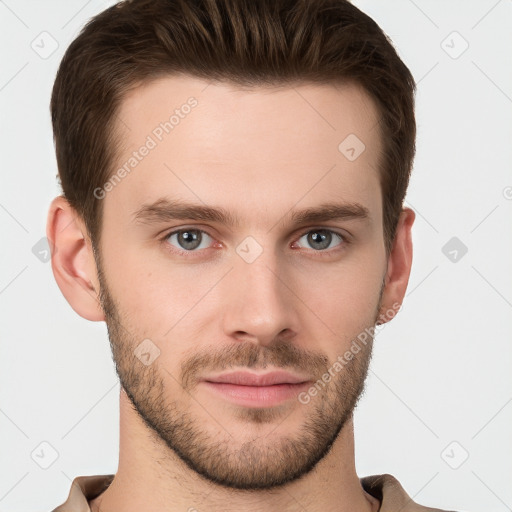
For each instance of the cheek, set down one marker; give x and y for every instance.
(342, 302)
(159, 298)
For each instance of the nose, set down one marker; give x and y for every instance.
(261, 305)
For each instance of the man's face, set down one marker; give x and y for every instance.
(259, 295)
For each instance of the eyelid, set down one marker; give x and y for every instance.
(324, 228)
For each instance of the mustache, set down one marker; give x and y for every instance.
(281, 354)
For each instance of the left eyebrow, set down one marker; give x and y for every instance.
(164, 210)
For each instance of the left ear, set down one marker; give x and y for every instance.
(399, 267)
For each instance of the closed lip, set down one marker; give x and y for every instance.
(244, 378)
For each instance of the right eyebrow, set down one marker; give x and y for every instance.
(164, 210)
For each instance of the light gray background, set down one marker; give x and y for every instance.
(440, 385)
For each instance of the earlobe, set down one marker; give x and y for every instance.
(399, 267)
(73, 262)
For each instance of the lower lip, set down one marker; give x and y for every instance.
(257, 396)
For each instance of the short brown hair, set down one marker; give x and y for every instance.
(245, 42)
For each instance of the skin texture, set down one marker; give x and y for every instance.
(261, 154)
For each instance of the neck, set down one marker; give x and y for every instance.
(151, 477)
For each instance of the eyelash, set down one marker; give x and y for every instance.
(321, 253)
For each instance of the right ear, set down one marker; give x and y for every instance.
(73, 261)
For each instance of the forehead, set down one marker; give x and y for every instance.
(259, 148)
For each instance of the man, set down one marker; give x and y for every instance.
(233, 177)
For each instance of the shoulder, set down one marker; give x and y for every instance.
(83, 489)
(388, 490)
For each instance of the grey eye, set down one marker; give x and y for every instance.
(188, 239)
(320, 239)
